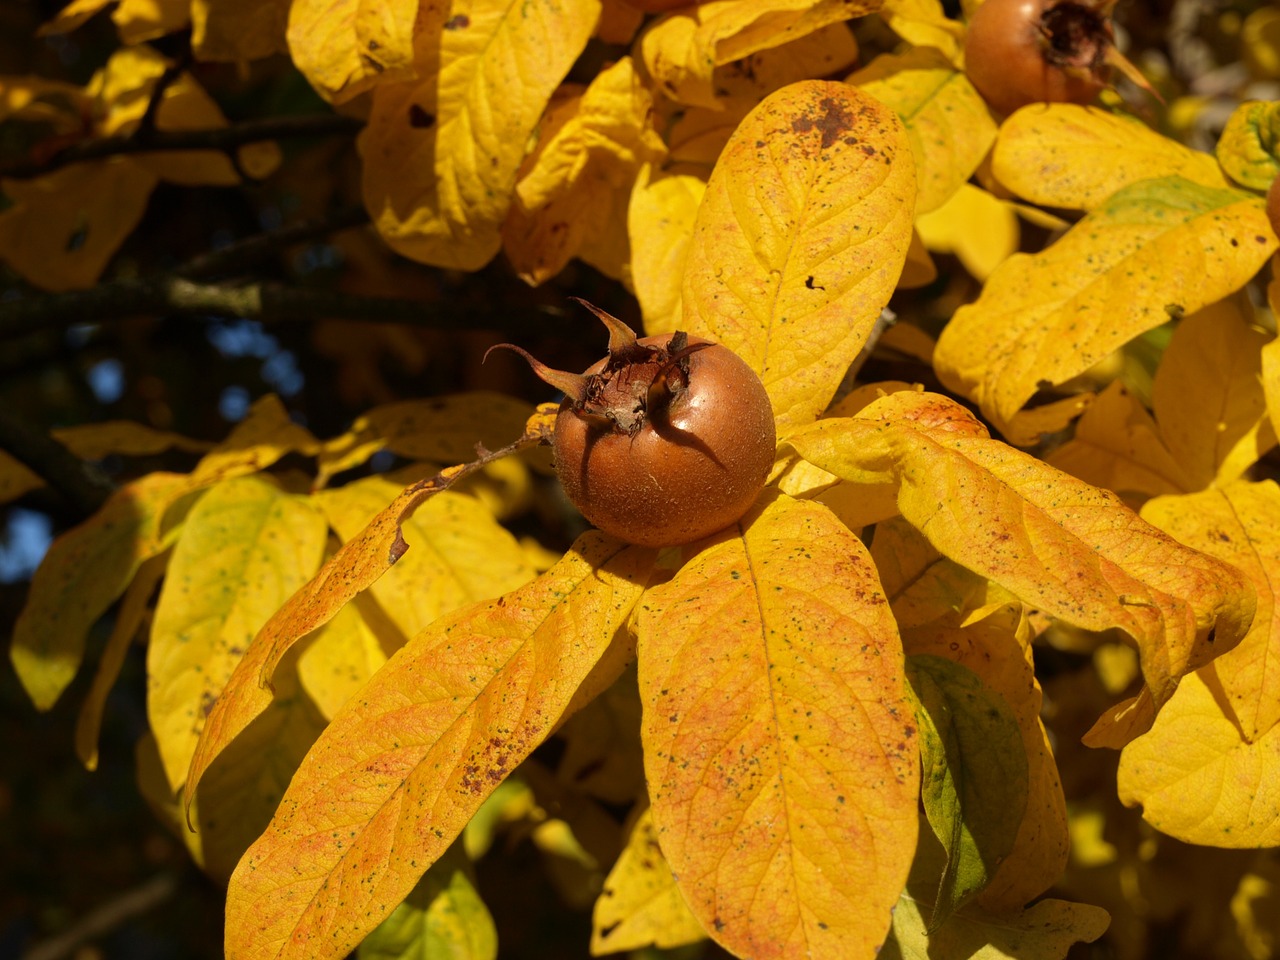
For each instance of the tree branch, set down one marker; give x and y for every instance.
(224, 139)
(76, 480)
(112, 914)
(234, 257)
(172, 295)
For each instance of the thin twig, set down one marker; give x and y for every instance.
(78, 481)
(146, 127)
(235, 257)
(223, 139)
(112, 914)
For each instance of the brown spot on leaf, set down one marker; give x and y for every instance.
(458, 22)
(419, 118)
(834, 121)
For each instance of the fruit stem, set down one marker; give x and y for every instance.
(572, 385)
(1119, 61)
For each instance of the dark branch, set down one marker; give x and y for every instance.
(44, 456)
(235, 257)
(269, 302)
(224, 139)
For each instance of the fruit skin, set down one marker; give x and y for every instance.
(691, 468)
(1011, 60)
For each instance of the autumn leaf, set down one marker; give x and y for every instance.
(1208, 397)
(980, 229)
(245, 548)
(64, 227)
(1249, 148)
(340, 657)
(800, 239)
(441, 153)
(129, 618)
(266, 434)
(1155, 248)
(924, 24)
(948, 124)
(682, 50)
(443, 916)
(1044, 931)
(779, 746)
(238, 31)
(84, 572)
(347, 47)
(946, 611)
(660, 218)
(460, 553)
(587, 155)
(1062, 546)
(1236, 523)
(973, 777)
(640, 904)
(1064, 155)
(136, 20)
(406, 762)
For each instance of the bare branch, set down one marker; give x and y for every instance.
(132, 903)
(224, 139)
(235, 257)
(44, 456)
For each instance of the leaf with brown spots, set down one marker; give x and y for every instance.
(1155, 249)
(1067, 548)
(346, 47)
(800, 239)
(409, 759)
(779, 744)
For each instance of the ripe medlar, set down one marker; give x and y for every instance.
(1019, 52)
(666, 440)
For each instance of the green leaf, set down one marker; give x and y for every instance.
(974, 775)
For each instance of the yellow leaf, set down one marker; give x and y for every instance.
(459, 553)
(64, 106)
(1197, 779)
(1208, 396)
(641, 904)
(238, 30)
(682, 50)
(1271, 380)
(619, 22)
(136, 20)
(1249, 148)
(1064, 155)
(1260, 42)
(779, 746)
(133, 609)
(1118, 446)
(405, 764)
(948, 124)
(264, 436)
(93, 441)
(1237, 523)
(440, 430)
(923, 23)
(981, 230)
(660, 220)
(1156, 247)
(245, 547)
(441, 154)
(346, 47)
(698, 134)
(1062, 546)
(1044, 931)
(84, 572)
(800, 239)
(64, 227)
(567, 186)
(443, 916)
(341, 656)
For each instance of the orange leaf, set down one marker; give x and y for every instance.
(410, 758)
(800, 239)
(779, 744)
(1067, 548)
